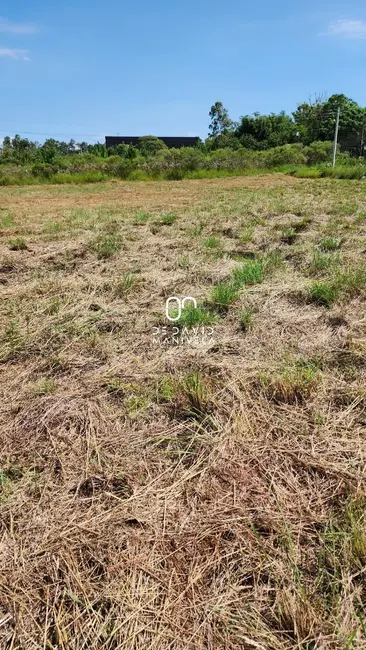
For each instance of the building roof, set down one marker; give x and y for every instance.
(170, 141)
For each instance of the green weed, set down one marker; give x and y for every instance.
(323, 293)
(18, 244)
(165, 389)
(246, 318)
(168, 219)
(7, 221)
(191, 315)
(289, 235)
(223, 295)
(124, 285)
(321, 262)
(330, 243)
(196, 391)
(351, 281)
(292, 384)
(212, 243)
(141, 218)
(105, 246)
(44, 386)
(251, 272)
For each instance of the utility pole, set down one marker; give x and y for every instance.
(362, 146)
(336, 137)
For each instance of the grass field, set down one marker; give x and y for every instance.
(160, 492)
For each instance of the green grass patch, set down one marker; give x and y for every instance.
(106, 245)
(7, 221)
(168, 219)
(18, 244)
(251, 272)
(321, 262)
(323, 293)
(351, 281)
(141, 218)
(191, 315)
(293, 383)
(44, 386)
(223, 295)
(246, 318)
(124, 285)
(212, 242)
(330, 243)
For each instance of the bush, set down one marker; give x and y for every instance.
(288, 154)
(44, 170)
(150, 144)
(124, 168)
(318, 152)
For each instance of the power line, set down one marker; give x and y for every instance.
(85, 135)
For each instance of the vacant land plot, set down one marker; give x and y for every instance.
(193, 488)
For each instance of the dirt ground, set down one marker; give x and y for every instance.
(197, 484)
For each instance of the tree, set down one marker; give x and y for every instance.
(49, 150)
(150, 144)
(71, 147)
(220, 120)
(317, 120)
(82, 146)
(23, 150)
(265, 131)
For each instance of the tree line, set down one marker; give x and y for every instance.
(311, 122)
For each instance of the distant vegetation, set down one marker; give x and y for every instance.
(300, 144)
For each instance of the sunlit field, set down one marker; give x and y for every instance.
(196, 484)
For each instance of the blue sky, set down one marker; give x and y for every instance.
(80, 67)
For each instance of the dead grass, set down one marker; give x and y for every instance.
(204, 495)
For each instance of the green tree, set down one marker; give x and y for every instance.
(265, 131)
(317, 120)
(82, 146)
(150, 144)
(220, 121)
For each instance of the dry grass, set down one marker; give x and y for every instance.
(194, 496)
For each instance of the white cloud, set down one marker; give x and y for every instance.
(353, 29)
(16, 28)
(19, 55)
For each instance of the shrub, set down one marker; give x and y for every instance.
(79, 178)
(318, 152)
(150, 144)
(43, 170)
(174, 175)
(288, 154)
(124, 168)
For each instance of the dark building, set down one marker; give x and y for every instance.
(171, 142)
